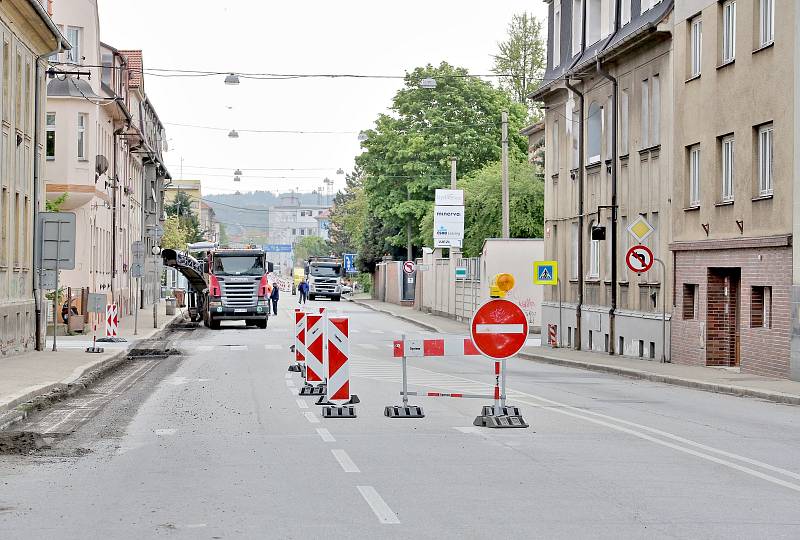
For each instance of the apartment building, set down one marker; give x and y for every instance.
(603, 171)
(289, 222)
(735, 190)
(28, 36)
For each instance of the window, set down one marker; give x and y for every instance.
(623, 248)
(555, 148)
(625, 17)
(655, 242)
(609, 251)
(574, 262)
(74, 38)
(576, 126)
(50, 139)
(577, 23)
(608, 120)
(623, 121)
(18, 236)
(106, 75)
(645, 112)
(696, 46)
(728, 31)
(727, 168)
(761, 307)
(694, 175)
(766, 22)
(594, 254)
(4, 215)
(556, 33)
(593, 16)
(766, 163)
(609, 10)
(595, 132)
(689, 301)
(81, 136)
(655, 112)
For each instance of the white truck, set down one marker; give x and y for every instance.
(324, 275)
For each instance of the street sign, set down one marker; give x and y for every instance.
(49, 280)
(640, 229)
(408, 267)
(423, 268)
(96, 303)
(639, 259)
(445, 243)
(278, 248)
(499, 329)
(448, 223)
(461, 272)
(57, 234)
(545, 272)
(350, 263)
(137, 248)
(449, 197)
(137, 262)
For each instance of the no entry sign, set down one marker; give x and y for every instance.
(499, 329)
(639, 259)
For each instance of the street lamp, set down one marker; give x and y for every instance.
(237, 178)
(428, 83)
(340, 171)
(232, 79)
(233, 134)
(363, 137)
(238, 172)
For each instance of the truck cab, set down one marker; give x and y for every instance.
(238, 287)
(324, 276)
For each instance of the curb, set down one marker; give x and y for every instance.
(38, 398)
(729, 389)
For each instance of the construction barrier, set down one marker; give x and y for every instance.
(112, 320)
(552, 335)
(315, 356)
(299, 347)
(338, 400)
(451, 346)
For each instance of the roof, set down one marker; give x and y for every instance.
(70, 87)
(134, 58)
(532, 129)
(48, 21)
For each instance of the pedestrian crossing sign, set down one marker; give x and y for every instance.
(545, 272)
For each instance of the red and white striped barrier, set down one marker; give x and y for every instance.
(112, 320)
(315, 338)
(337, 390)
(460, 346)
(299, 335)
(552, 338)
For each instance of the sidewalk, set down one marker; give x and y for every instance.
(701, 378)
(32, 374)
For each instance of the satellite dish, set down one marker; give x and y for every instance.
(100, 165)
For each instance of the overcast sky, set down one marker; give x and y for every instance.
(250, 36)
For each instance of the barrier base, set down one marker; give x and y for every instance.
(339, 412)
(488, 410)
(112, 340)
(309, 390)
(94, 349)
(400, 411)
(295, 367)
(353, 400)
(510, 417)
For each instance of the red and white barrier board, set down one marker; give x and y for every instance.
(337, 390)
(299, 336)
(112, 320)
(315, 337)
(452, 346)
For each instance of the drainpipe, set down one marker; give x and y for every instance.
(612, 314)
(114, 187)
(37, 125)
(579, 307)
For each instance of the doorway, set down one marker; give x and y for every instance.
(723, 317)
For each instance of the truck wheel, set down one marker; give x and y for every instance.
(311, 297)
(262, 324)
(336, 298)
(214, 325)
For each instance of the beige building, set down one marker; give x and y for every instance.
(735, 190)
(634, 49)
(28, 37)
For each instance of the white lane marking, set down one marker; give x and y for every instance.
(302, 403)
(272, 346)
(165, 432)
(311, 417)
(378, 505)
(345, 461)
(290, 383)
(326, 435)
(376, 331)
(499, 328)
(205, 348)
(369, 346)
(238, 347)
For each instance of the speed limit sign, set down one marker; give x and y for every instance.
(639, 259)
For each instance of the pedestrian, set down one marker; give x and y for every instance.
(303, 289)
(274, 295)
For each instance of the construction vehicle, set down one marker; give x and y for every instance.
(324, 276)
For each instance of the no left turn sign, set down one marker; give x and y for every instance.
(408, 267)
(639, 259)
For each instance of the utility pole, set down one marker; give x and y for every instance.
(506, 225)
(453, 164)
(409, 247)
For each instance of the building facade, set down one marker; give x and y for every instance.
(288, 223)
(28, 37)
(735, 208)
(634, 48)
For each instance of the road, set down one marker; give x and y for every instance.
(216, 443)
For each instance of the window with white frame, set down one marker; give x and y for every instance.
(623, 121)
(50, 136)
(594, 254)
(609, 9)
(694, 175)
(766, 22)
(728, 31)
(696, 46)
(74, 38)
(625, 14)
(766, 162)
(574, 259)
(645, 113)
(607, 126)
(593, 21)
(595, 133)
(81, 136)
(727, 168)
(577, 23)
(557, 33)
(576, 126)
(609, 251)
(655, 111)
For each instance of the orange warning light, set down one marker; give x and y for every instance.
(505, 282)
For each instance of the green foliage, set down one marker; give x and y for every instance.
(181, 208)
(483, 205)
(181, 205)
(176, 236)
(310, 246)
(365, 280)
(348, 214)
(56, 204)
(521, 60)
(407, 155)
(224, 240)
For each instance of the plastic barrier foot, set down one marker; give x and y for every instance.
(509, 417)
(307, 390)
(400, 411)
(339, 412)
(295, 367)
(353, 400)
(94, 349)
(488, 410)
(318, 390)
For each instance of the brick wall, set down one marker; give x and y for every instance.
(762, 351)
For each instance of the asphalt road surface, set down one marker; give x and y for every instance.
(216, 443)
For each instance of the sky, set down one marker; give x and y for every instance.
(265, 36)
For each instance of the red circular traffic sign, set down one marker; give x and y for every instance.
(639, 259)
(499, 329)
(408, 267)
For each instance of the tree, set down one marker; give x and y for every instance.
(175, 234)
(56, 204)
(311, 246)
(520, 60)
(181, 207)
(407, 155)
(483, 205)
(348, 214)
(224, 240)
